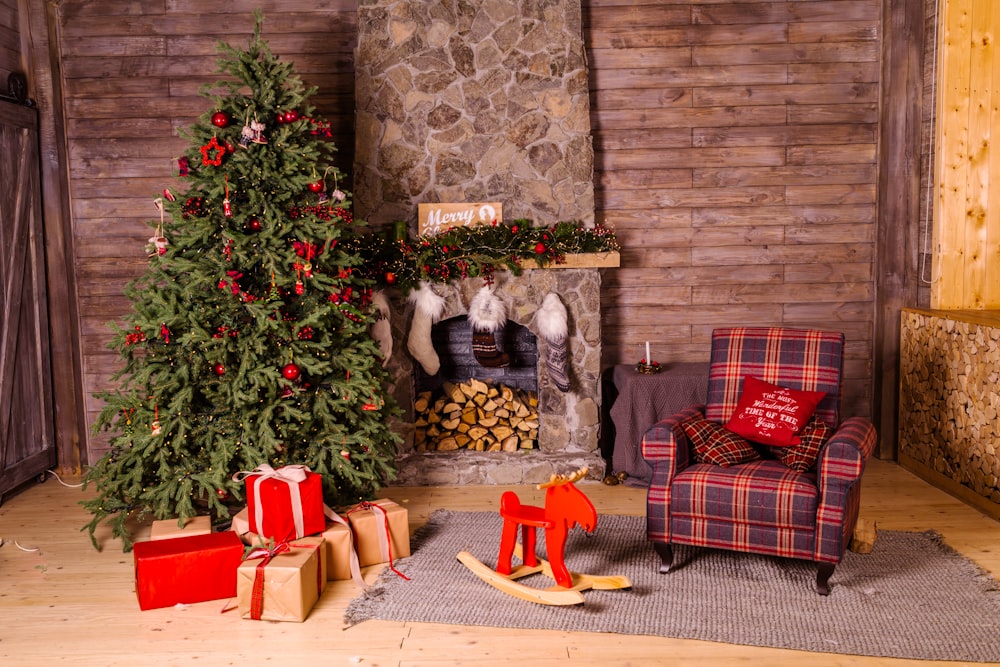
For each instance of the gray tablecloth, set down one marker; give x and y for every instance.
(644, 400)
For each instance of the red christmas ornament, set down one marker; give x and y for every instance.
(299, 287)
(291, 371)
(539, 248)
(291, 115)
(222, 493)
(254, 225)
(316, 186)
(213, 146)
(390, 278)
(219, 369)
(346, 454)
(220, 119)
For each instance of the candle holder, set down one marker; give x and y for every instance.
(648, 368)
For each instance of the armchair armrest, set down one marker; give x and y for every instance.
(666, 441)
(843, 457)
(838, 471)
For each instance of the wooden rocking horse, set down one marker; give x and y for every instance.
(565, 507)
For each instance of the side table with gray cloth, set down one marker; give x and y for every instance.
(642, 401)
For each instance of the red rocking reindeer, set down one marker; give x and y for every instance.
(565, 506)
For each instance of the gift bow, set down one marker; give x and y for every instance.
(292, 475)
(266, 554)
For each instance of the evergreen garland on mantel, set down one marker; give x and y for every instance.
(474, 251)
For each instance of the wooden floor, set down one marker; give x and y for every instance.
(69, 604)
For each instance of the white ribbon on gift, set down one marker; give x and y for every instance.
(292, 475)
(355, 563)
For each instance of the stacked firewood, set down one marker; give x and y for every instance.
(478, 416)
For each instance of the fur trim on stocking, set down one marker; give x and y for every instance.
(487, 313)
(381, 329)
(551, 319)
(429, 307)
(552, 324)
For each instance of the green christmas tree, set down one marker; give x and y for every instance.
(248, 338)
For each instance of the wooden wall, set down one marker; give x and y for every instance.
(736, 158)
(10, 42)
(966, 226)
(735, 153)
(131, 73)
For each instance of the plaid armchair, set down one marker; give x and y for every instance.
(761, 506)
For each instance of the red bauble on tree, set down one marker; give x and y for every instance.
(254, 225)
(220, 119)
(219, 369)
(291, 371)
(291, 116)
(316, 186)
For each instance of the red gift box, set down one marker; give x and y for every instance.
(285, 503)
(184, 570)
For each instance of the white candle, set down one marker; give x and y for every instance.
(649, 359)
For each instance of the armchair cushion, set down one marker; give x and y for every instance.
(715, 444)
(772, 415)
(802, 457)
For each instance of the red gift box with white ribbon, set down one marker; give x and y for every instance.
(284, 503)
(185, 570)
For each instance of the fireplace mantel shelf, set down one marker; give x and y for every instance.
(589, 260)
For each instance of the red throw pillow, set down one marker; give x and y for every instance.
(714, 444)
(802, 457)
(772, 415)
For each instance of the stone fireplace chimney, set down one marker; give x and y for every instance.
(485, 101)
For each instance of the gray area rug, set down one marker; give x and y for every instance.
(912, 597)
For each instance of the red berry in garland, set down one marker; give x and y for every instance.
(291, 372)
(539, 248)
(220, 119)
(390, 278)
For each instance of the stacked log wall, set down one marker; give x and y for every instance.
(949, 402)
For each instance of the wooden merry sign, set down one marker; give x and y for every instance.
(435, 218)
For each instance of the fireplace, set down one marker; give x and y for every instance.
(568, 422)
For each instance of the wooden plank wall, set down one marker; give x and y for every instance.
(10, 42)
(967, 235)
(736, 158)
(131, 74)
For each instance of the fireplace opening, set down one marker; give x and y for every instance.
(467, 405)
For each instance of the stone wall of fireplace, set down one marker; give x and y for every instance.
(480, 100)
(485, 101)
(569, 421)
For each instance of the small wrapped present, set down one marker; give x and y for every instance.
(285, 503)
(341, 557)
(381, 531)
(185, 570)
(169, 528)
(281, 583)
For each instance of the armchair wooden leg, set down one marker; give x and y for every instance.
(823, 574)
(666, 553)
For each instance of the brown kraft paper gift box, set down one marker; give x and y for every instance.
(366, 523)
(292, 582)
(165, 529)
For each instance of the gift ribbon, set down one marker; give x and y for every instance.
(265, 554)
(257, 592)
(292, 475)
(355, 563)
(384, 536)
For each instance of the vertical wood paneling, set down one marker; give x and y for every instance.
(10, 41)
(131, 73)
(736, 159)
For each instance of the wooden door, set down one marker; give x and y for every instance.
(27, 442)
